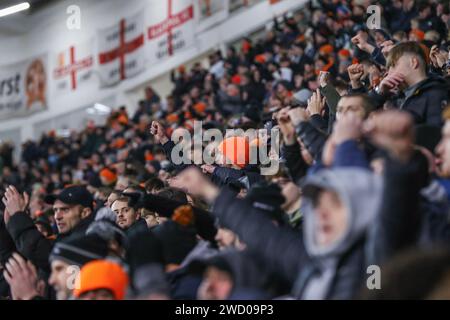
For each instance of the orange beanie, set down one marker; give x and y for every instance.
(200, 107)
(123, 119)
(119, 143)
(102, 274)
(148, 156)
(183, 215)
(236, 150)
(246, 46)
(326, 49)
(109, 175)
(236, 79)
(260, 58)
(172, 118)
(418, 33)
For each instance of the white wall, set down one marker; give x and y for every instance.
(50, 34)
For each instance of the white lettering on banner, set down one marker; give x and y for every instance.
(23, 87)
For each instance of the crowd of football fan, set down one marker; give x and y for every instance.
(363, 177)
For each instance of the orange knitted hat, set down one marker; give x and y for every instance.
(236, 150)
(102, 274)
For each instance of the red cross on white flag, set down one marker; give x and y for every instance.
(121, 50)
(172, 28)
(73, 67)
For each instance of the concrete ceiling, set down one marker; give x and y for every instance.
(19, 23)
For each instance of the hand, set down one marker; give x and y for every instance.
(374, 76)
(286, 127)
(391, 83)
(349, 127)
(208, 168)
(355, 73)
(360, 40)
(6, 216)
(163, 175)
(245, 96)
(157, 131)
(22, 278)
(324, 76)
(298, 115)
(315, 103)
(393, 131)
(13, 201)
(198, 184)
(437, 58)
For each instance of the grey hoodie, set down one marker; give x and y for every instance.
(360, 190)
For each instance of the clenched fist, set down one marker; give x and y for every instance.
(157, 130)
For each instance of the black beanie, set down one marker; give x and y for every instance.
(95, 181)
(108, 231)
(80, 250)
(145, 248)
(253, 113)
(176, 240)
(199, 266)
(268, 199)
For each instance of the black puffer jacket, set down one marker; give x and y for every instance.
(426, 102)
(294, 161)
(313, 138)
(249, 175)
(32, 244)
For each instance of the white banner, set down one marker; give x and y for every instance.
(23, 87)
(73, 68)
(121, 50)
(210, 13)
(209, 8)
(171, 28)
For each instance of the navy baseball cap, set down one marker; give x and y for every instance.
(73, 195)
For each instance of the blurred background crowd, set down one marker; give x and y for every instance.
(363, 173)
